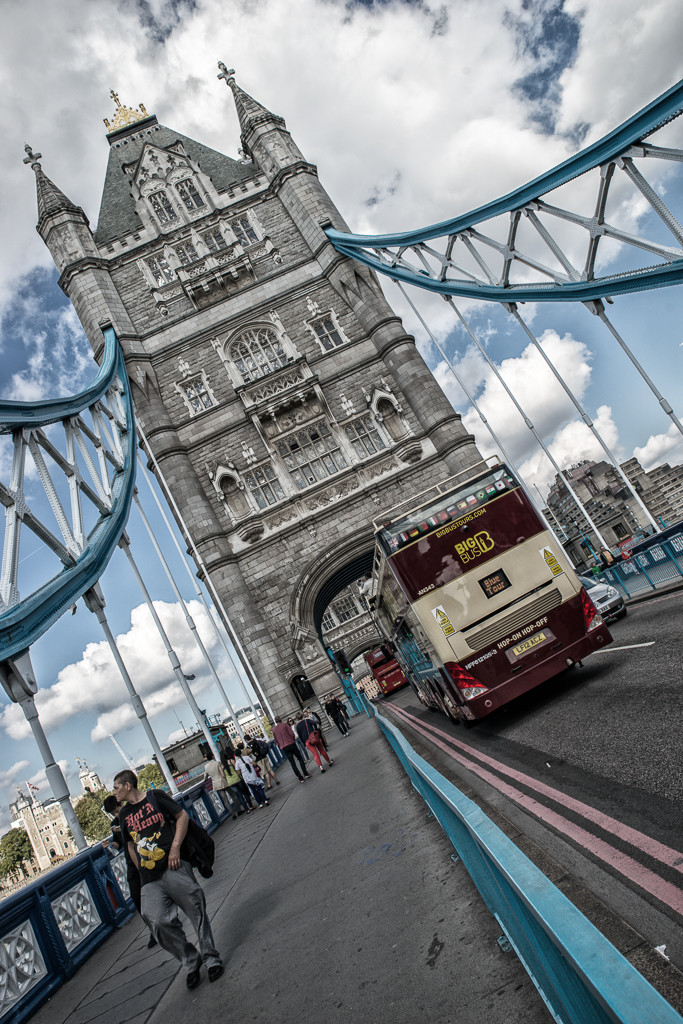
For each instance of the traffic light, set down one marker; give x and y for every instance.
(342, 662)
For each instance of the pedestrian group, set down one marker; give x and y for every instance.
(151, 827)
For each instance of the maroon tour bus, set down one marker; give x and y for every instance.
(476, 595)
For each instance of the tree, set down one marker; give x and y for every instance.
(92, 819)
(15, 848)
(151, 777)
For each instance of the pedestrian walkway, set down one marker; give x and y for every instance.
(338, 903)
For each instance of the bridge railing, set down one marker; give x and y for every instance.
(49, 928)
(579, 974)
(658, 565)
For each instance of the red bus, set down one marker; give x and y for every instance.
(385, 669)
(476, 596)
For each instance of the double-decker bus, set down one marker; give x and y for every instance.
(476, 595)
(385, 669)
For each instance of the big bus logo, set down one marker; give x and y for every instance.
(471, 548)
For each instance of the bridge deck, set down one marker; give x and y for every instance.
(338, 902)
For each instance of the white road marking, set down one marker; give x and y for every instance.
(626, 647)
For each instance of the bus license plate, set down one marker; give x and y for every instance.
(519, 650)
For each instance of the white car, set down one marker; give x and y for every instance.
(607, 599)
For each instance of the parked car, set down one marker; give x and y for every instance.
(607, 599)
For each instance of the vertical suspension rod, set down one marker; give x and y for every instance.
(124, 544)
(188, 618)
(512, 309)
(199, 592)
(234, 638)
(598, 309)
(474, 404)
(527, 421)
(94, 602)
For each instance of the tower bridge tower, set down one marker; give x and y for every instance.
(279, 393)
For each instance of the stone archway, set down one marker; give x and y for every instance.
(324, 578)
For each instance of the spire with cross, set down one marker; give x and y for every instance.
(227, 74)
(32, 158)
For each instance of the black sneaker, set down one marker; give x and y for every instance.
(215, 971)
(152, 942)
(193, 978)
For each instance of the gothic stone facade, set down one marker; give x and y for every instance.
(281, 396)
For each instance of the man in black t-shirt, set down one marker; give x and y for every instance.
(153, 827)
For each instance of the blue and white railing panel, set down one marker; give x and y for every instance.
(49, 928)
(533, 245)
(647, 570)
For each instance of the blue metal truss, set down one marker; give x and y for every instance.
(458, 260)
(106, 448)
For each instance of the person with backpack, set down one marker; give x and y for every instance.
(153, 827)
(239, 790)
(308, 731)
(259, 751)
(250, 774)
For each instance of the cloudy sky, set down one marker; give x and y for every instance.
(414, 113)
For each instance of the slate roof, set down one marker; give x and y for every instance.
(117, 211)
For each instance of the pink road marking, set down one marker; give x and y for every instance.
(662, 890)
(653, 848)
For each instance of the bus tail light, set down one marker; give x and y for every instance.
(590, 612)
(468, 686)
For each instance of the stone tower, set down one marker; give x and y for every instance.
(280, 394)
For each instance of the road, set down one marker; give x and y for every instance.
(589, 768)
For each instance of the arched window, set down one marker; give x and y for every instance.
(303, 691)
(163, 207)
(188, 192)
(234, 498)
(391, 419)
(257, 352)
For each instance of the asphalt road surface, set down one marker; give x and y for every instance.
(589, 766)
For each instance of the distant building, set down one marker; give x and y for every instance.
(89, 779)
(608, 501)
(187, 753)
(661, 489)
(46, 827)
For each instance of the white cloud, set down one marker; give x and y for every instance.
(94, 684)
(660, 448)
(8, 776)
(570, 445)
(446, 130)
(533, 385)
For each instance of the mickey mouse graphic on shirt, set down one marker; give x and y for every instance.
(148, 851)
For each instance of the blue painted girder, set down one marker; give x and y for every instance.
(363, 247)
(22, 624)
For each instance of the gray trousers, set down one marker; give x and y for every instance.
(160, 902)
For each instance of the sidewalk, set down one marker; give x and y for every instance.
(337, 903)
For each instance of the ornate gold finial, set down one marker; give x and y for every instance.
(228, 74)
(32, 158)
(124, 115)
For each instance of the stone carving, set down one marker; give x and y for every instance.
(308, 654)
(332, 494)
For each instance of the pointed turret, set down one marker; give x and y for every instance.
(51, 200)
(264, 135)
(250, 112)
(65, 229)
